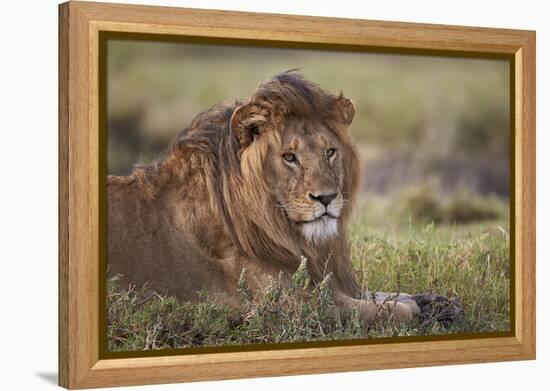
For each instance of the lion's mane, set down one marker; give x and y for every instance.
(207, 157)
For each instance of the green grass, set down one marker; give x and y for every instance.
(390, 253)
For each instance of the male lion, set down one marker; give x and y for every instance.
(253, 184)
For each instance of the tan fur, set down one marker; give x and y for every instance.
(224, 199)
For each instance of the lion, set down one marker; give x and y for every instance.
(255, 184)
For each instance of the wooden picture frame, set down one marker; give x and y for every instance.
(80, 166)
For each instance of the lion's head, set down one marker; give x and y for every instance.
(297, 134)
(280, 171)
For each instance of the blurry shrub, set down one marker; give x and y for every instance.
(422, 204)
(466, 206)
(461, 206)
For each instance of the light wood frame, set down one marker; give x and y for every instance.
(80, 23)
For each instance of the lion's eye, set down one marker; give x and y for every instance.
(290, 158)
(330, 152)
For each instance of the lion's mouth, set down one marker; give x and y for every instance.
(325, 216)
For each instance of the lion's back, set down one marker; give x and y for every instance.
(131, 223)
(146, 247)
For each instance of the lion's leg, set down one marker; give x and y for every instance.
(404, 298)
(426, 305)
(373, 310)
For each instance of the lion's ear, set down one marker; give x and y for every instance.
(247, 122)
(344, 110)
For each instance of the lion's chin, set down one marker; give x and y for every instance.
(321, 229)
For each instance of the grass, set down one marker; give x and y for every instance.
(389, 253)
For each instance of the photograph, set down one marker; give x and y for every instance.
(261, 195)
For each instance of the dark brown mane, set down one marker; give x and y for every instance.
(295, 96)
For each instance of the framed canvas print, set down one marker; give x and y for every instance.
(248, 195)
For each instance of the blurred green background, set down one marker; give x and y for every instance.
(433, 132)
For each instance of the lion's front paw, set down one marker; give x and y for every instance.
(438, 308)
(397, 311)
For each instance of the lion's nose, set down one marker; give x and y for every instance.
(324, 199)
